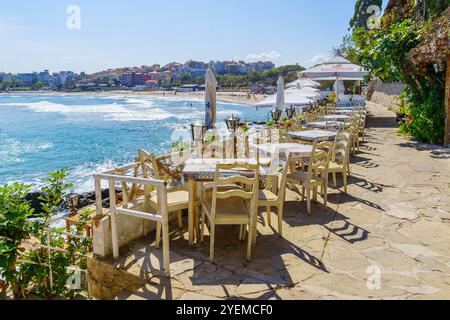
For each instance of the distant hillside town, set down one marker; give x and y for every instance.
(188, 77)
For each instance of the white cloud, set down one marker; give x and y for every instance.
(265, 56)
(318, 58)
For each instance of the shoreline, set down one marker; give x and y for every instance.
(226, 97)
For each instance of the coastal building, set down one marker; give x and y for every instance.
(218, 67)
(27, 79)
(261, 66)
(5, 76)
(64, 78)
(132, 79)
(195, 65)
(155, 75)
(44, 77)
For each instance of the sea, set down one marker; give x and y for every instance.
(89, 134)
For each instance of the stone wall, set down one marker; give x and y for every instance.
(384, 93)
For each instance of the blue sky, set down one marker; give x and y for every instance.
(34, 34)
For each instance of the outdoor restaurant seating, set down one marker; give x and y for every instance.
(177, 195)
(232, 207)
(340, 158)
(227, 180)
(274, 195)
(316, 176)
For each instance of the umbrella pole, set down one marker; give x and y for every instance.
(337, 90)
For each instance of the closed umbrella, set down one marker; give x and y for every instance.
(280, 93)
(210, 100)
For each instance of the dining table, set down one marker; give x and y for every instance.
(198, 171)
(313, 135)
(336, 117)
(274, 149)
(325, 124)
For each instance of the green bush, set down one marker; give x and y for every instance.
(34, 271)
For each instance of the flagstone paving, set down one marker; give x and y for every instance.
(395, 218)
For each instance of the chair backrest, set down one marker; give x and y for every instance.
(297, 125)
(149, 165)
(245, 174)
(242, 145)
(342, 146)
(283, 163)
(319, 160)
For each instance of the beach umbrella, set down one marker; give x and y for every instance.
(291, 98)
(303, 83)
(210, 99)
(280, 93)
(308, 92)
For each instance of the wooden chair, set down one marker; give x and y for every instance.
(275, 196)
(316, 176)
(160, 214)
(177, 195)
(297, 125)
(341, 158)
(232, 207)
(353, 129)
(362, 126)
(267, 135)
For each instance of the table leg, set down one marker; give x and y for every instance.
(191, 215)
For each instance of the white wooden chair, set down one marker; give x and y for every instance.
(177, 195)
(232, 207)
(341, 158)
(316, 176)
(275, 196)
(160, 214)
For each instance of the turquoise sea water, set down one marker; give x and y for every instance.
(93, 133)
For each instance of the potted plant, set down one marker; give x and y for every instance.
(245, 127)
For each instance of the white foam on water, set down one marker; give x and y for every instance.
(82, 175)
(12, 149)
(153, 114)
(50, 107)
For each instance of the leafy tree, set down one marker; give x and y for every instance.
(362, 14)
(385, 53)
(185, 77)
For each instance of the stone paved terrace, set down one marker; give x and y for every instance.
(396, 216)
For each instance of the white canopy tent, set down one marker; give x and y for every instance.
(337, 68)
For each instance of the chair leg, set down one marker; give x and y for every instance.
(345, 181)
(280, 220)
(158, 234)
(308, 199)
(166, 255)
(180, 219)
(211, 245)
(315, 194)
(202, 232)
(334, 179)
(303, 193)
(325, 193)
(241, 233)
(269, 215)
(249, 242)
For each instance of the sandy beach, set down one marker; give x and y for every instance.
(231, 97)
